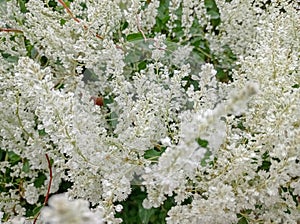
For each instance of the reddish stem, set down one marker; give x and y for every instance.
(68, 10)
(98, 36)
(10, 30)
(50, 181)
(49, 186)
(73, 17)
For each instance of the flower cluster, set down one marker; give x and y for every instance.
(199, 104)
(62, 210)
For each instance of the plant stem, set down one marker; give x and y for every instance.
(8, 30)
(49, 187)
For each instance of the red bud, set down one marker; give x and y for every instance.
(98, 101)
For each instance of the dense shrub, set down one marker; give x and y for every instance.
(149, 111)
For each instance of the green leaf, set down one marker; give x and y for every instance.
(2, 154)
(62, 22)
(145, 214)
(3, 7)
(202, 142)
(37, 209)
(22, 6)
(205, 158)
(26, 166)
(114, 120)
(213, 14)
(133, 56)
(13, 158)
(266, 163)
(222, 76)
(241, 126)
(39, 181)
(153, 154)
(243, 220)
(134, 212)
(142, 65)
(10, 58)
(42, 132)
(134, 36)
(52, 3)
(209, 4)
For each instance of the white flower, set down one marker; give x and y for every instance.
(31, 194)
(62, 210)
(118, 208)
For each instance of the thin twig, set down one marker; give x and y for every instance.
(98, 36)
(49, 187)
(140, 29)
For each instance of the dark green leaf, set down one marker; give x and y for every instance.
(42, 132)
(13, 158)
(153, 154)
(243, 220)
(209, 4)
(39, 180)
(202, 142)
(142, 65)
